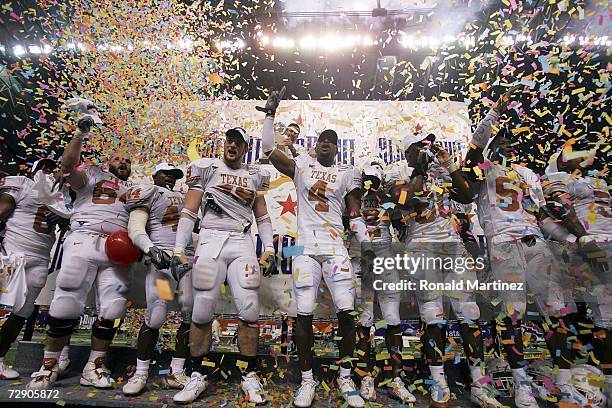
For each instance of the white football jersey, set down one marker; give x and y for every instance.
(590, 197)
(431, 220)
(26, 228)
(320, 195)
(100, 204)
(507, 200)
(234, 190)
(164, 207)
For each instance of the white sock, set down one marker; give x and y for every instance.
(563, 376)
(519, 375)
(476, 372)
(93, 355)
(177, 365)
(345, 372)
(437, 373)
(65, 352)
(307, 375)
(142, 366)
(52, 354)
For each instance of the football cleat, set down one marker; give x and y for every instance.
(305, 394)
(46, 376)
(367, 389)
(135, 385)
(96, 375)
(398, 391)
(253, 389)
(7, 373)
(350, 393)
(195, 386)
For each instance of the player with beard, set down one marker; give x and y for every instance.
(378, 222)
(437, 187)
(580, 203)
(29, 232)
(324, 190)
(510, 204)
(154, 217)
(229, 194)
(99, 210)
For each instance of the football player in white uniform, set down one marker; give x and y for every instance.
(510, 201)
(154, 217)
(378, 222)
(324, 190)
(30, 232)
(432, 234)
(99, 210)
(580, 202)
(292, 132)
(229, 194)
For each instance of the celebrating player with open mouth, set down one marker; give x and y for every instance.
(436, 186)
(323, 192)
(228, 193)
(99, 210)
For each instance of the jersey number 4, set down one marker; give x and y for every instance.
(318, 194)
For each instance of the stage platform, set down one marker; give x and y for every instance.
(279, 372)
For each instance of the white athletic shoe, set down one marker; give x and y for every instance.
(368, 390)
(350, 393)
(7, 373)
(64, 364)
(440, 393)
(45, 377)
(136, 384)
(523, 397)
(305, 394)
(568, 394)
(195, 386)
(398, 391)
(175, 381)
(253, 389)
(96, 375)
(483, 395)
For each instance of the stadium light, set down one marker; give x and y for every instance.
(19, 50)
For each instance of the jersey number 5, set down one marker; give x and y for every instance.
(317, 193)
(507, 192)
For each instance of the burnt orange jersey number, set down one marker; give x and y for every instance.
(40, 220)
(507, 192)
(171, 217)
(318, 194)
(103, 195)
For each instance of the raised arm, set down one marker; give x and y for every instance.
(278, 159)
(72, 155)
(461, 190)
(482, 134)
